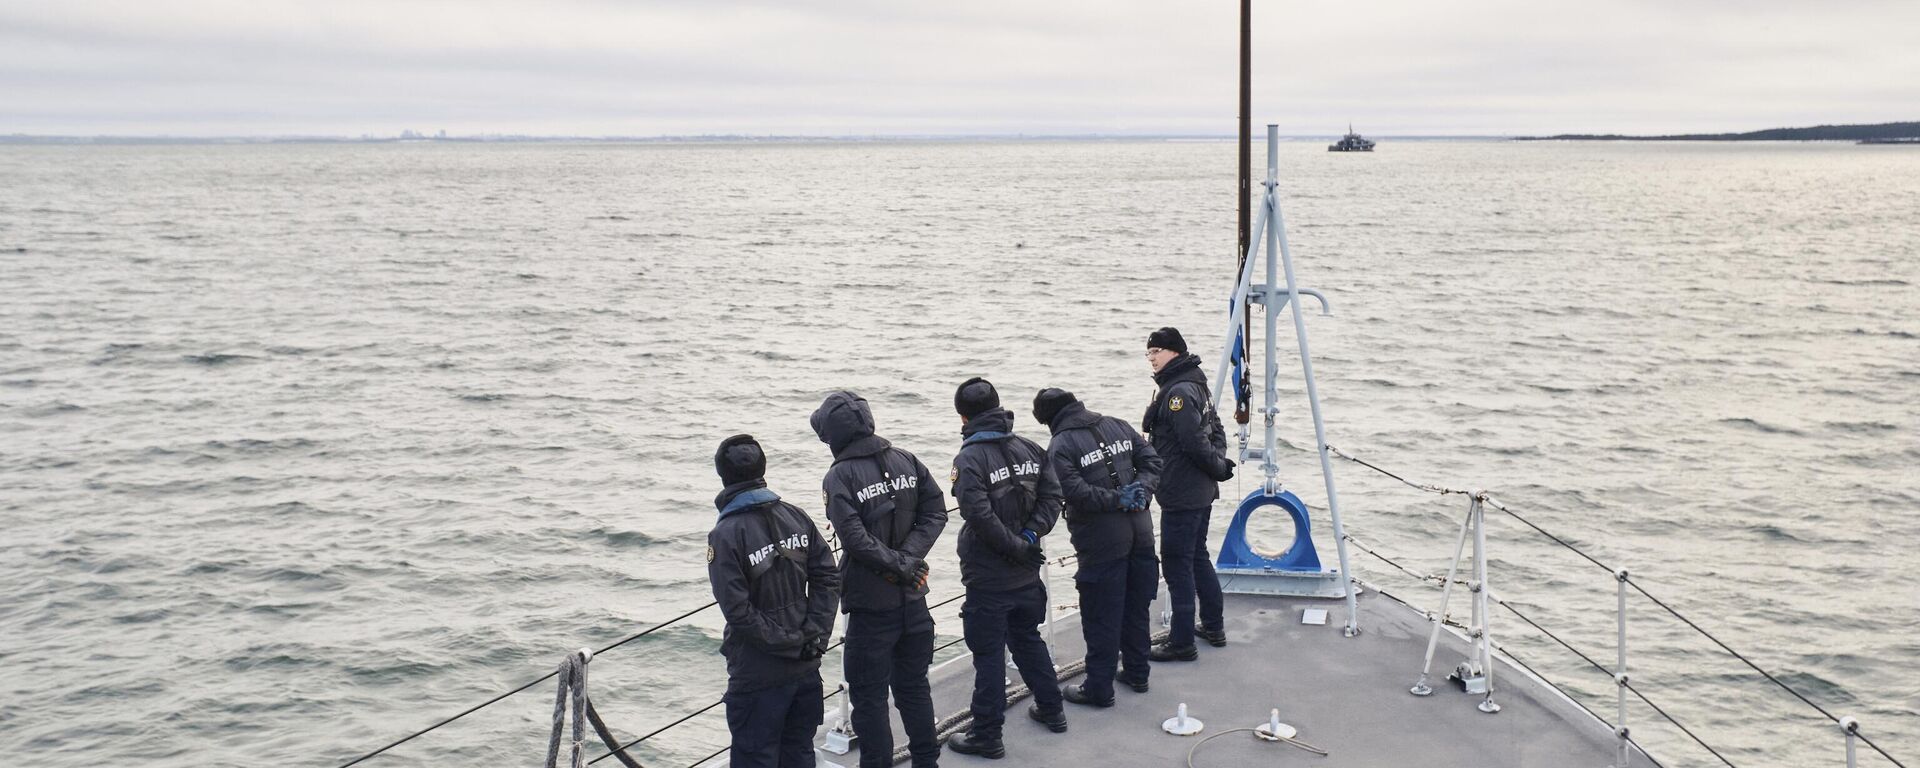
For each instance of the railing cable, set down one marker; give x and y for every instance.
(1636, 586)
(1603, 670)
(529, 684)
(550, 675)
(709, 707)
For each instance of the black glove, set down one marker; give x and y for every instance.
(910, 569)
(919, 581)
(1223, 470)
(814, 648)
(1034, 555)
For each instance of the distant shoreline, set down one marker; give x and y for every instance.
(20, 139)
(1877, 133)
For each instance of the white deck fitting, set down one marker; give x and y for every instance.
(1345, 695)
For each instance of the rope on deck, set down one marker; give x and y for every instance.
(1495, 503)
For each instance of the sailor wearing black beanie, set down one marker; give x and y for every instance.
(1009, 499)
(775, 581)
(1107, 473)
(1186, 432)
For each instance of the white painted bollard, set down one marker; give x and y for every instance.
(1180, 724)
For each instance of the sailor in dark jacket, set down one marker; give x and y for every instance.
(887, 511)
(1010, 500)
(1186, 432)
(1107, 473)
(776, 582)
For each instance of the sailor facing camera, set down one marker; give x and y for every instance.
(1186, 432)
(1108, 474)
(888, 511)
(776, 582)
(1009, 499)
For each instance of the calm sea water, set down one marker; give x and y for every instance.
(303, 447)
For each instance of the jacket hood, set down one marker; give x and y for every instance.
(993, 424)
(1183, 368)
(1073, 416)
(841, 420)
(742, 495)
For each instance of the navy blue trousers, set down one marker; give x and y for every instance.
(891, 649)
(1189, 570)
(998, 622)
(774, 727)
(1116, 598)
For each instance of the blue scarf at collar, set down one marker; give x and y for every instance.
(748, 498)
(979, 436)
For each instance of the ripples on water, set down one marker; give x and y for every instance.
(308, 446)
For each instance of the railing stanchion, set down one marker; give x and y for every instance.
(1620, 666)
(1483, 627)
(1439, 617)
(840, 737)
(1852, 728)
(1046, 585)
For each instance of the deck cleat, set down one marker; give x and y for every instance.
(1180, 724)
(1274, 730)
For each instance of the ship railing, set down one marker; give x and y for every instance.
(840, 723)
(1481, 643)
(1476, 630)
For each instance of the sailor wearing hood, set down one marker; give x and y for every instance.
(776, 583)
(1108, 474)
(1009, 498)
(888, 510)
(1186, 432)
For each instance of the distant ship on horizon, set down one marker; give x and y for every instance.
(1352, 142)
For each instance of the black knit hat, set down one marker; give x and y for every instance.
(739, 460)
(975, 396)
(1048, 403)
(1169, 339)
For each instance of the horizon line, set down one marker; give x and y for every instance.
(18, 138)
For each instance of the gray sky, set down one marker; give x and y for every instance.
(834, 67)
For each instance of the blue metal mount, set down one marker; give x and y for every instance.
(1237, 552)
(1296, 571)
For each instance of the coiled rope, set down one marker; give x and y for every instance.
(573, 678)
(1488, 500)
(529, 684)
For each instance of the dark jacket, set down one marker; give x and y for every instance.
(886, 508)
(776, 583)
(1186, 432)
(1094, 456)
(1005, 485)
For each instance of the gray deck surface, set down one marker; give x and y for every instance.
(1345, 695)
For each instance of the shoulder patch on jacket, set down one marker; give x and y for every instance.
(1176, 403)
(709, 553)
(955, 477)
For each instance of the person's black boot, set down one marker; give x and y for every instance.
(1166, 652)
(1056, 722)
(969, 744)
(1078, 695)
(1138, 684)
(1214, 637)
